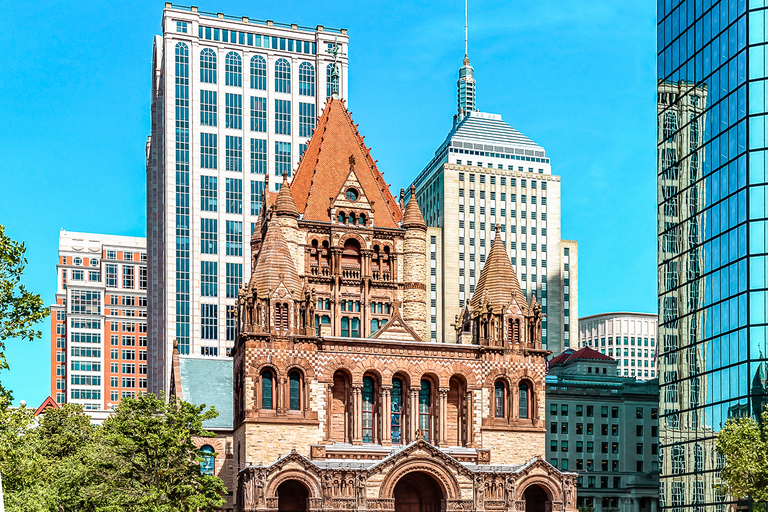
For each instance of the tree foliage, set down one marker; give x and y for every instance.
(20, 309)
(743, 442)
(142, 460)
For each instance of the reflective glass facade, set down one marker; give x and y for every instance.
(712, 231)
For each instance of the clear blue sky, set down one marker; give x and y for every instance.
(576, 77)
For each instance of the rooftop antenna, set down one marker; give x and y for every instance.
(466, 52)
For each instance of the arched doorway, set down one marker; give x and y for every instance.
(292, 496)
(418, 492)
(536, 499)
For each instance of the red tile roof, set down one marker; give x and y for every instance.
(324, 167)
(584, 353)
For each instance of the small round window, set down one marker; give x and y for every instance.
(78, 261)
(352, 194)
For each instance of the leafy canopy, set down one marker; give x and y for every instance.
(743, 442)
(142, 460)
(20, 309)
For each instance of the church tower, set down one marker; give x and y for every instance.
(415, 268)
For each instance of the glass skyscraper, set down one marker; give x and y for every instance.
(712, 236)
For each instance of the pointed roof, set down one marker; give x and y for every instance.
(325, 166)
(412, 218)
(498, 281)
(284, 203)
(275, 264)
(570, 356)
(48, 403)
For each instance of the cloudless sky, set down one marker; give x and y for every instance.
(576, 77)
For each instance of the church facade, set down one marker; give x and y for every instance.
(341, 401)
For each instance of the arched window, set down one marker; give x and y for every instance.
(332, 76)
(368, 401)
(295, 390)
(374, 325)
(342, 218)
(267, 389)
(207, 465)
(352, 218)
(425, 408)
(306, 79)
(281, 316)
(523, 400)
(670, 126)
(282, 76)
(513, 330)
(499, 399)
(258, 73)
(233, 70)
(208, 66)
(361, 219)
(397, 411)
(350, 258)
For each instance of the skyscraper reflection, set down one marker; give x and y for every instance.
(711, 237)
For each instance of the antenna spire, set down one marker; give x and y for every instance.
(466, 52)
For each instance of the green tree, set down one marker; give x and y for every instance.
(149, 462)
(20, 309)
(743, 442)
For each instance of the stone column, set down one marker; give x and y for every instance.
(386, 420)
(598, 501)
(470, 441)
(636, 504)
(443, 420)
(413, 406)
(654, 504)
(357, 414)
(329, 411)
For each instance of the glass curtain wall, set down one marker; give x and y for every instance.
(711, 236)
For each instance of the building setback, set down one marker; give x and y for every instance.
(487, 174)
(630, 338)
(604, 427)
(234, 101)
(98, 323)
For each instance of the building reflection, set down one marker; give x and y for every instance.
(688, 460)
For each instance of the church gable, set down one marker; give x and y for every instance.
(396, 330)
(351, 201)
(323, 170)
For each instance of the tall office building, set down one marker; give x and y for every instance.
(487, 173)
(629, 338)
(711, 236)
(98, 323)
(234, 103)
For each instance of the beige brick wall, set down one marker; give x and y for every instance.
(513, 447)
(415, 271)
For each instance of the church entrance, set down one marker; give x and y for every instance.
(292, 497)
(418, 492)
(536, 499)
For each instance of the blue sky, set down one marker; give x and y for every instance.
(576, 77)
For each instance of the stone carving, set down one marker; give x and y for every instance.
(569, 491)
(247, 489)
(460, 505)
(479, 491)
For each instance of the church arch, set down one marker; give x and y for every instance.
(545, 482)
(340, 414)
(307, 479)
(435, 469)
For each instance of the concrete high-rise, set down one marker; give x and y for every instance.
(486, 173)
(99, 320)
(234, 101)
(712, 231)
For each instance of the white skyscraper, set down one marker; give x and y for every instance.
(484, 174)
(234, 102)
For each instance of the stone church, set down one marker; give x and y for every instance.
(341, 401)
